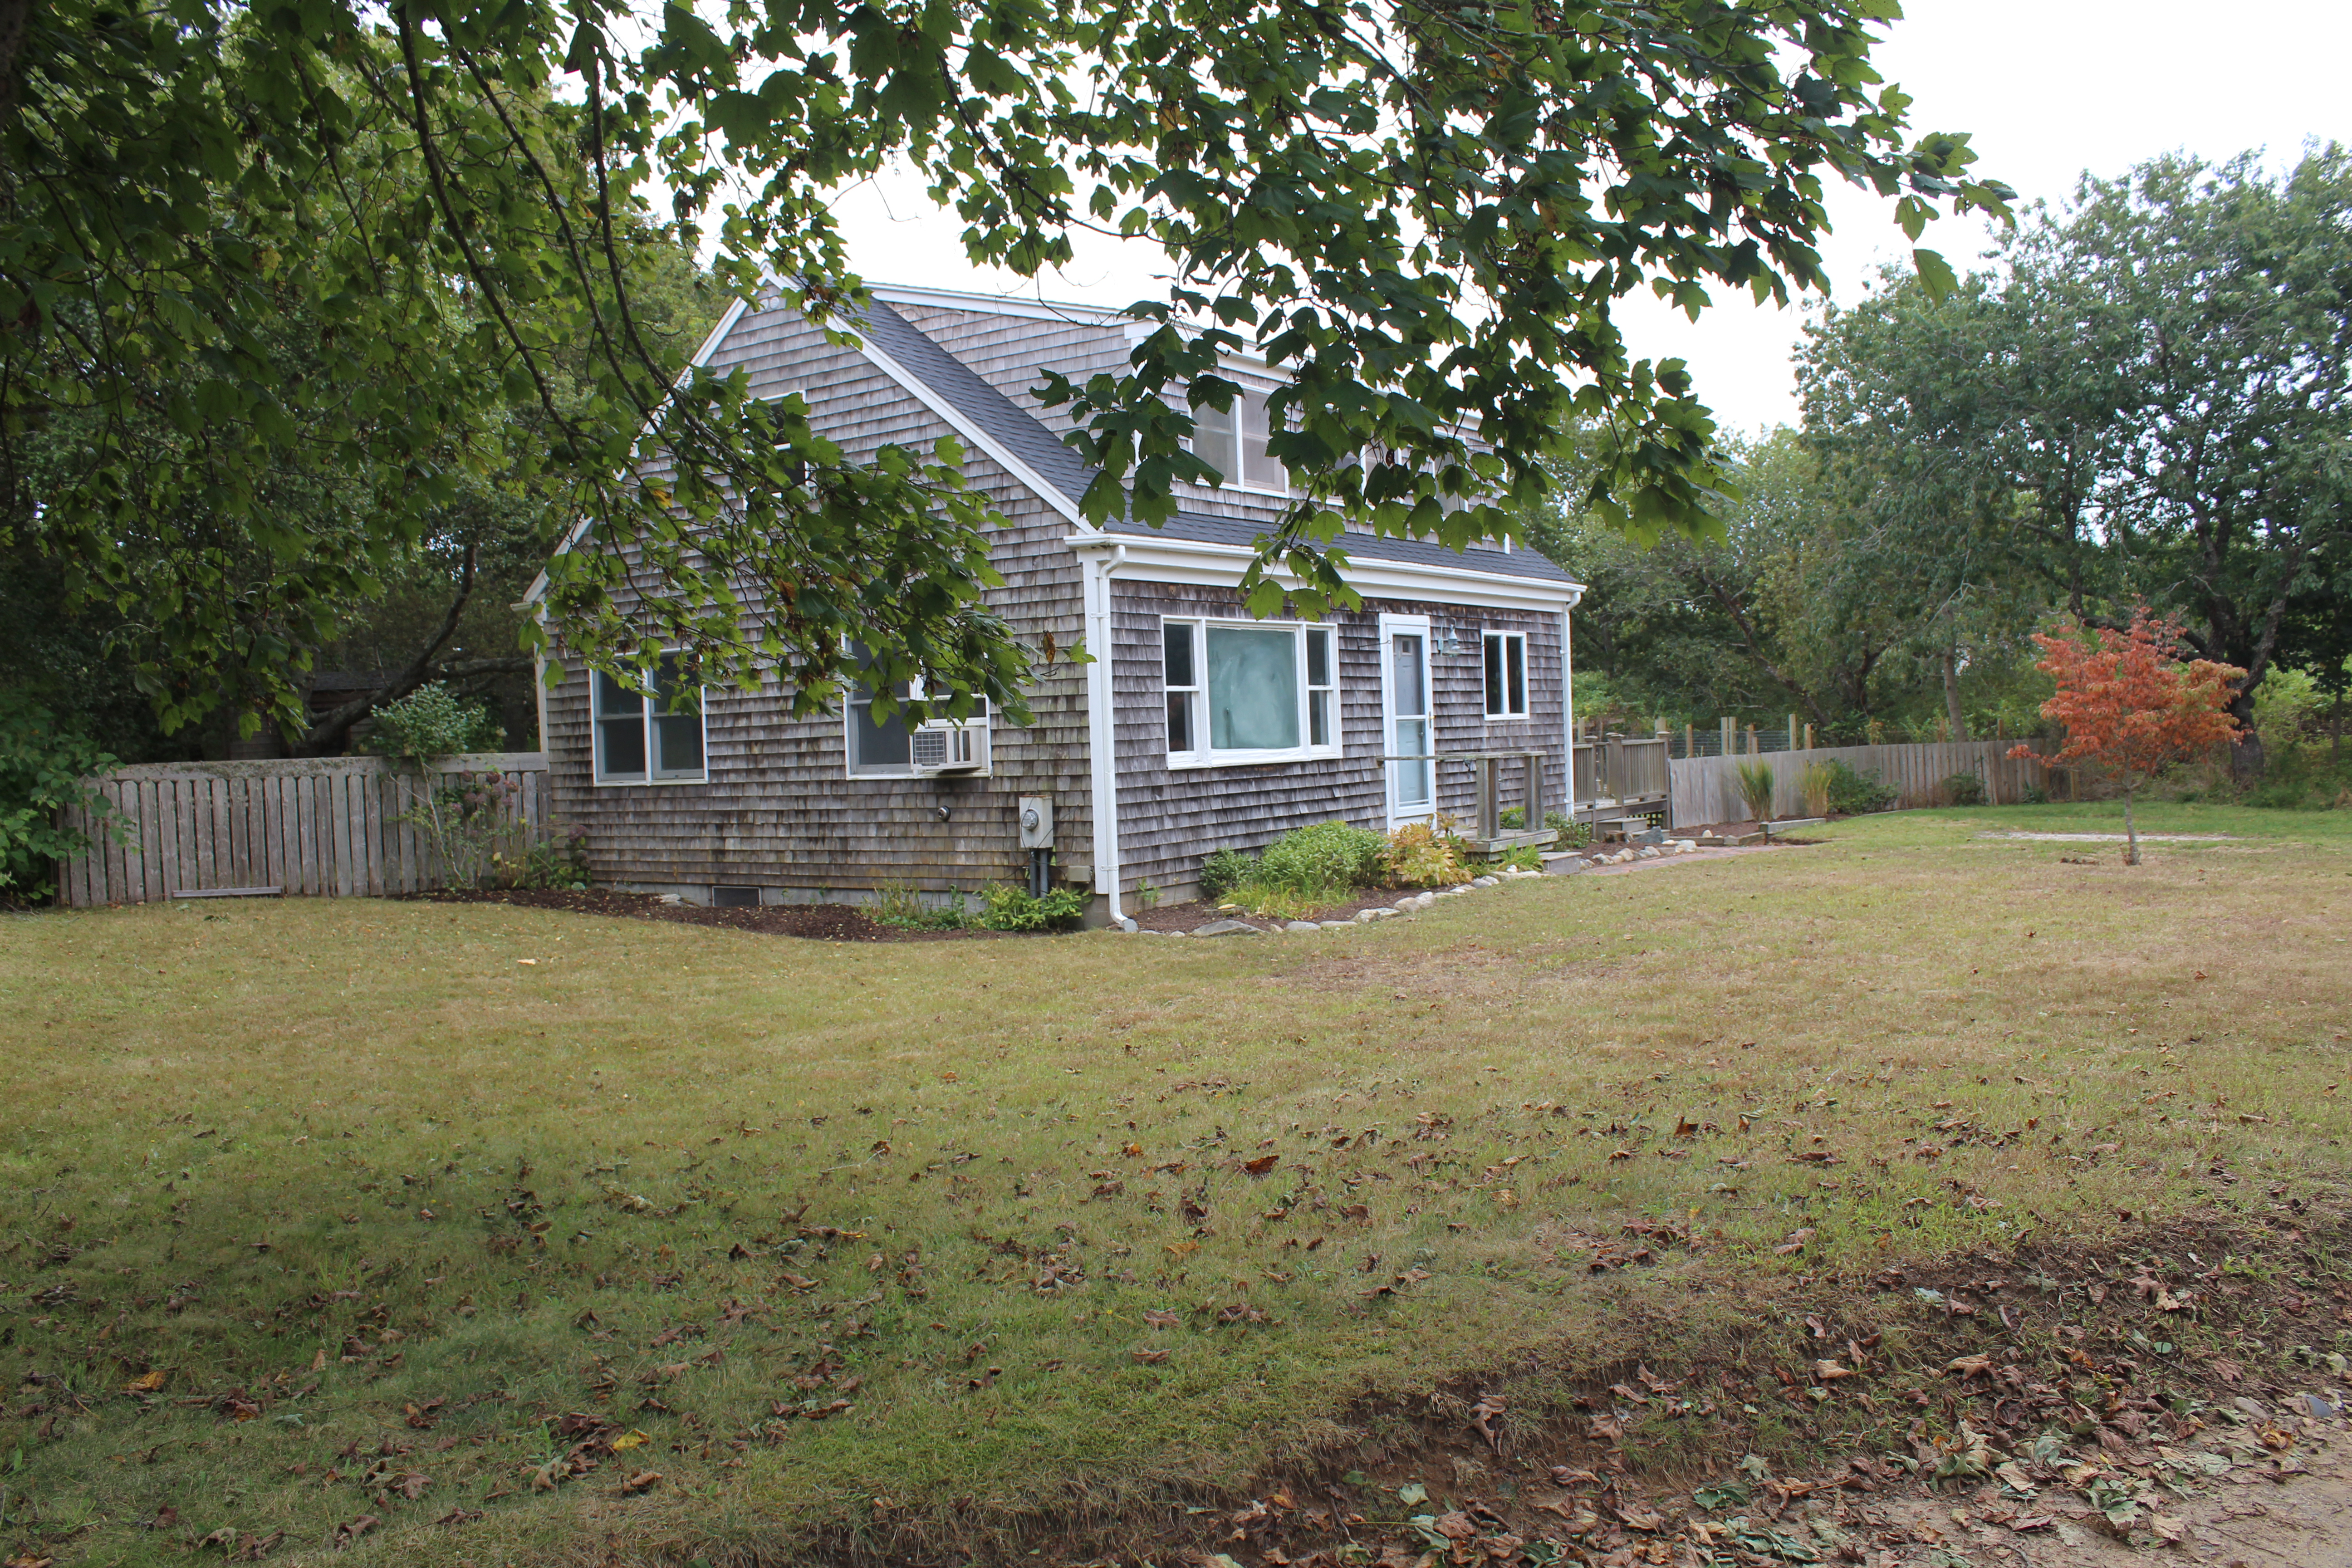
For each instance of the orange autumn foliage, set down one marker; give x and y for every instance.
(2130, 704)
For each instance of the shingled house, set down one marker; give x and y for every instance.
(1202, 728)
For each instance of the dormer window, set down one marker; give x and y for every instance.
(1234, 442)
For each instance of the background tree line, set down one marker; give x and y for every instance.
(2143, 398)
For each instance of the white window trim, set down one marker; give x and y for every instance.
(1509, 715)
(596, 722)
(1204, 755)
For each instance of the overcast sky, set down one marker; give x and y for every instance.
(2046, 88)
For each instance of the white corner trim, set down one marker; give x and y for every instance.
(718, 335)
(956, 420)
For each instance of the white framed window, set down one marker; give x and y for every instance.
(893, 748)
(649, 736)
(1506, 675)
(1234, 442)
(1249, 692)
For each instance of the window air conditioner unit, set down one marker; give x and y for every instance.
(950, 746)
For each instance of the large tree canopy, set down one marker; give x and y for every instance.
(1426, 212)
(2151, 401)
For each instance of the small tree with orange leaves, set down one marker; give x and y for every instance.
(2130, 705)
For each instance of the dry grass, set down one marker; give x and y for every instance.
(254, 1138)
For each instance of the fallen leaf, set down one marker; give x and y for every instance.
(1262, 1164)
(1829, 1371)
(149, 1384)
(346, 1533)
(1149, 1358)
(638, 1483)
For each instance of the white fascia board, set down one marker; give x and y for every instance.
(701, 358)
(1201, 564)
(955, 419)
(997, 305)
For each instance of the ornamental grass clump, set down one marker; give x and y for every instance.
(1814, 783)
(1755, 789)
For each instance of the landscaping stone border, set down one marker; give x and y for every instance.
(1413, 903)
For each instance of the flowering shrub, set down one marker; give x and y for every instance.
(466, 819)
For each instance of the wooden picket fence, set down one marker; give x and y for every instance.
(1707, 789)
(327, 827)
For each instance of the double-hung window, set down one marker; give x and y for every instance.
(649, 735)
(887, 747)
(1234, 442)
(1506, 675)
(1249, 692)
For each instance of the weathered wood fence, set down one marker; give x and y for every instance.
(1707, 789)
(327, 827)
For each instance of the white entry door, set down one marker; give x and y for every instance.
(1406, 730)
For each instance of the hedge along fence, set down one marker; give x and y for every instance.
(328, 827)
(1707, 789)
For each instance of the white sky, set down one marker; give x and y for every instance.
(2046, 88)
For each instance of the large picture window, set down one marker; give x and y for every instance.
(1249, 692)
(650, 737)
(1234, 442)
(1506, 675)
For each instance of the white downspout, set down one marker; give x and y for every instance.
(1102, 719)
(1568, 707)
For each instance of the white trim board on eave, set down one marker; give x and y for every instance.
(1201, 564)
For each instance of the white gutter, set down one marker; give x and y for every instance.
(1102, 721)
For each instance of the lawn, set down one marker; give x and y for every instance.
(318, 1212)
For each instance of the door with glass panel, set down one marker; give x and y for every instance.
(1405, 717)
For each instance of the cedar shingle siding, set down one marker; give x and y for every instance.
(1170, 819)
(779, 811)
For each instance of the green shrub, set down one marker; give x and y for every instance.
(1005, 906)
(42, 770)
(431, 722)
(557, 862)
(1329, 855)
(1573, 834)
(1513, 820)
(2035, 795)
(1526, 858)
(900, 906)
(1756, 783)
(1223, 870)
(1852, 793)
(1964, 789)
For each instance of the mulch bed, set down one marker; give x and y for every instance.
(814, 923)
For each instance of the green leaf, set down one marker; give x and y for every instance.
(1934, 274)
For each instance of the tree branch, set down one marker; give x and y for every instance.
(331, 730)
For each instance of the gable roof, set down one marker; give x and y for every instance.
(1017, 438)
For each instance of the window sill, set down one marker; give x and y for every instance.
(1194, 763)
(646, 784)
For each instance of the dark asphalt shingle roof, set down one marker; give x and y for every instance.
(1024, 434)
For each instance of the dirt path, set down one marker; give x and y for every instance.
(2249, 1517)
